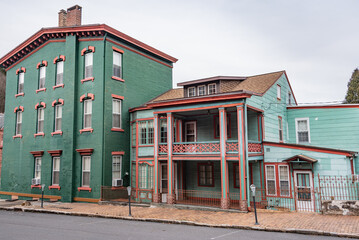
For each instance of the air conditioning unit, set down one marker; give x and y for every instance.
(36, 181)
(117, 182)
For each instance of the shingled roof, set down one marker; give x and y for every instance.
(258, 85)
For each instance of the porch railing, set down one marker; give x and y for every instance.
(198, 197)
(208, 147)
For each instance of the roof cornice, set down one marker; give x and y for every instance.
(97, 30)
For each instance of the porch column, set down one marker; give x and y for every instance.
(156, 194)
(260, 127)
(242, 158)
(171, 195)
(224, 167)
(137, 141)
(179, 130)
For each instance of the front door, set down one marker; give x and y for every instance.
(163, 182)
(304, 190)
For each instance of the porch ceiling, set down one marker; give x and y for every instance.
(298, 158)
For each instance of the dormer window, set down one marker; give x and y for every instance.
(212, 88)
(191, 91)
(201, 90)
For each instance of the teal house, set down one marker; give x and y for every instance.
(207, 142)
(89, 109)
(68, 92)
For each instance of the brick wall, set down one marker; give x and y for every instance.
(71, 17)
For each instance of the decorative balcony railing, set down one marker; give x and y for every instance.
(196, 147)
(253, 146)
(208, 147)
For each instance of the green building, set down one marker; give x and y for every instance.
(68, 91)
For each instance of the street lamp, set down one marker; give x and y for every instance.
(42, 195)
(129, 200)
(253, 189)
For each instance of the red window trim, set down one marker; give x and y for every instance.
(19, 94)
(117, 49)
(117, 130)
(87, 79)
(277, 185)
(55, 153)
(57, 102)
(17, 136)
(58, 86)
(37, 153)
(55, 187)
(216, 119)
(117, 96)
(56, 133)
(118, 153)
(42, 63)
(86, 130)
(84, 189)
(117, 79)
(41, 104)
(39, 134)
(19, 108)
(22, 69)
(85, 151)
(88, 95)
(40, 90)
(90, 48)
(59, 58)
(198, 174)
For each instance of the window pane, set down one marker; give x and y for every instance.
(270, 172)
(150, 132)
(283, 172)
(86, 179)
(117, 62)
(42, 77)
(86, 163)
(88, 106)
(88, 59)
(116, 167)
(271, 187)
(302, 125)
(21, 83)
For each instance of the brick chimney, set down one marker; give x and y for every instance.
(71, 17)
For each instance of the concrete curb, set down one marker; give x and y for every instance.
(257, 228)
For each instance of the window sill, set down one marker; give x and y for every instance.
(58, 86)
(39, 134)
(118, 79)
(87, 79)
(117, 130)
(84, 189)
(86, 130)
(17, 136)
(19, 94)
(41, 90)
(54, 187)
(36, 186)
(56, 133)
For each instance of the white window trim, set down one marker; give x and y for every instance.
(58, 73)
(18, 123)
(42, 70)
(195, 130)
(114, 54)
(280, 126)
(53, 171)
(120, 156)
(279, 166)
(57, 117)
(296, 128)
(86, 114)
(204, 87)
(119, 114)
(215, 88)
(40, 109)
(83, 170)
(275, 180)
(194, 88)
(279, 92)
(21, 80)
(39, 171)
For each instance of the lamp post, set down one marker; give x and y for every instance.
(129, 200)
(253, 189)
(42, 195)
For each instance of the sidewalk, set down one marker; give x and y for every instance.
(306, 223)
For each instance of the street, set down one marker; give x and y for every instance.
(25, 225)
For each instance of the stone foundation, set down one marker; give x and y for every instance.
(225, 203)
(243, 205)
(156, 198)
(341, 207)
(171, 198)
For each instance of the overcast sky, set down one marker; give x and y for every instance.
(316, 42)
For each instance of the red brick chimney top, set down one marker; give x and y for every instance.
(71, 17)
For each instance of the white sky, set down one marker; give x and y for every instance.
(316, 42)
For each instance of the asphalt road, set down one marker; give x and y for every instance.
(37, 226)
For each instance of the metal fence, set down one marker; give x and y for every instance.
(339, 187)
(197, 197)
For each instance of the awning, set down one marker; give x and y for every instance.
(301, 158)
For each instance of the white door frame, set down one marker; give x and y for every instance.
(175, 175)
(163, 195)
(304, 205)
(195, 130)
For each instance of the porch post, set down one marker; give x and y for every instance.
(137, 141)
(224, 167)
(242, 158)
(179, 130)
(260, 127)
(171, 195)
(156, 195)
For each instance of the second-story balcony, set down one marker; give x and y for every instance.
(208, 147)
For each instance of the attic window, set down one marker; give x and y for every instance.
(191, 91)
(201, 90)
(212, 88)
(278, 92)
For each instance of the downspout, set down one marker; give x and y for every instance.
(103, 112)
